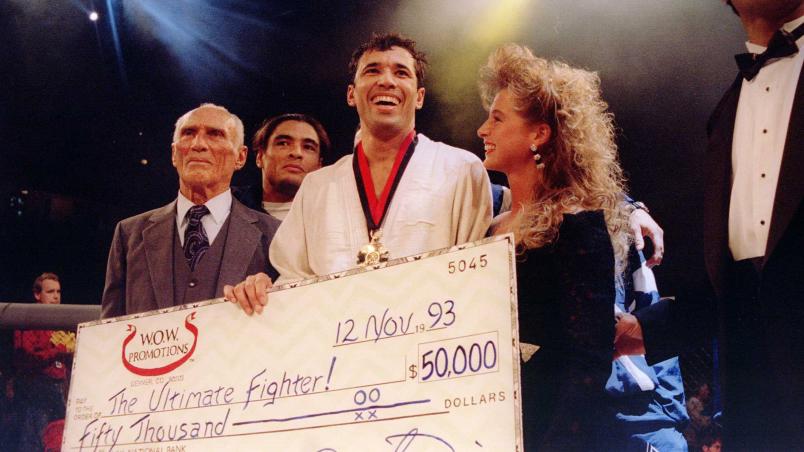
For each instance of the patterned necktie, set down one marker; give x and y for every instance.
(195, 238)
(782, 44)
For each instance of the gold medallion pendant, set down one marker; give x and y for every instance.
(372, 253)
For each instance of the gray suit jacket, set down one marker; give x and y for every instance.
(139, 273)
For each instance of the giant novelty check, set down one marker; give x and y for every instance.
(419, 354)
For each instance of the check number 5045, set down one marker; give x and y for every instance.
(463, 265)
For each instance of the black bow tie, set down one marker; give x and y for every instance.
(782, 44)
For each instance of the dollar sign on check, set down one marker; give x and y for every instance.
(412, 370)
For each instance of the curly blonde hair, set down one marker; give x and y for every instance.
(581, 171)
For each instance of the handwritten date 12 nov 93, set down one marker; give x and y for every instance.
(380, 326)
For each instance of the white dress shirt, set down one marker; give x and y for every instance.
(219, 208)
(760, 129)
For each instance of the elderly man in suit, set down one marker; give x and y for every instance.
(189, 249)
(753, 240)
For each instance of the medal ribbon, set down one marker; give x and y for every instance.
(375, 209)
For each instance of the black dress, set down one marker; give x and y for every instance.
(566, 306)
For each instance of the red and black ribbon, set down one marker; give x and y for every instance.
(375, 209)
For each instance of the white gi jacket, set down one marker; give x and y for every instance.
(443, 199)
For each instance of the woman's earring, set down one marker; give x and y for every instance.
(536, 156)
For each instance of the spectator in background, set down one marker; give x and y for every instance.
(710, 440)
(47, 289)
(288, 147)
(41, 366)
(7, 416)
(696, 407)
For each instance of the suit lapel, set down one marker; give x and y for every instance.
(242, 239)
(789, 188)
(720, 129)
(158, 239)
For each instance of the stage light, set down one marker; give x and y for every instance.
(208, 54)
(93, 16)
(475, 28)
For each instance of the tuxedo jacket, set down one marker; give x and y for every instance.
(139, 273)
(701, 310)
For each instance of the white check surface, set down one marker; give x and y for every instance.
(417, 355)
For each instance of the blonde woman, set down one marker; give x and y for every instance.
(549, 131)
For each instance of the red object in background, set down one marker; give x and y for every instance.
(52, 436)
(42, 354)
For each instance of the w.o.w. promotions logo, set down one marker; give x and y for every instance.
(159, 351)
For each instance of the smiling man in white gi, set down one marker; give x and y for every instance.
(398, 194)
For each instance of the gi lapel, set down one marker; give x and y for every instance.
(789, 188)
(158, 239)
(720, 130)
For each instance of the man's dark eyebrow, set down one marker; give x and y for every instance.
(282, 137)
(396, 65)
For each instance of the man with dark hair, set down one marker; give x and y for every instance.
(399, 194)
(431, 194)
(288, 147)
(753, 241)
(383, 43)
(711, 440)
(189, 249)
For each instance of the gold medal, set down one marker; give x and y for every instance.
(372, 253)
(376, 206)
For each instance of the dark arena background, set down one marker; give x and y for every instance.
(87, 106)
